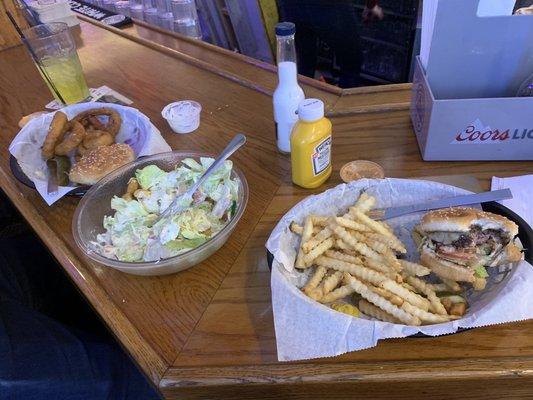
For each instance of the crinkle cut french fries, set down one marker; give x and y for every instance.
(355, 259)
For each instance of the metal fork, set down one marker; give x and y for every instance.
(183, 201)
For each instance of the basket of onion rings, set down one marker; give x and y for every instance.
(84, 142)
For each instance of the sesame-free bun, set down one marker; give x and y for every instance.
(461, 219)
(99, 162)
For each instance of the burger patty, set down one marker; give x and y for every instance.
(467, 249)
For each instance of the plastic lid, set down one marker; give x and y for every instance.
(285, 29)
(311, 110)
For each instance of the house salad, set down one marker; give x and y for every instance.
(131, 235)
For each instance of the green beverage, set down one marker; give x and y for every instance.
(56, 53)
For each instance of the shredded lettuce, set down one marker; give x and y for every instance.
(130, 233)
(150, 176)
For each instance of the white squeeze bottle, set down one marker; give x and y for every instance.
(288, 94)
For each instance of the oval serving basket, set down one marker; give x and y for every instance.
(525, 234)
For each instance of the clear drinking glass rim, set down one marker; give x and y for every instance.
(61, 27)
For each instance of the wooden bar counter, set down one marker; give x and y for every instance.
(208, 332)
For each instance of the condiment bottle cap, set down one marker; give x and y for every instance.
(310, 110)
(285, 29)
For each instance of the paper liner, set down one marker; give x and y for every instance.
(136, 130)
(306, 329)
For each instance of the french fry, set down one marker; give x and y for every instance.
(298, 229)
(422, 287)
(315, 294)
(452, 285)
(319, 221)
(408, 287)
(315, 279)
(385, 225)
(360, 247)
(374, 225)
(317, 239)
(295, 228)
(343, 257)
(306, 235)
(394, 299)
(339, 244)
(414, 269)
(380, 248)
(406, 294)
(331, 282)
(391, 241)
(380, 267)
(371, 310)
(425, 316)
(359, 271)
(364, 203)
(317, 251)
(337, 294)
(351, 224)
(382, 303)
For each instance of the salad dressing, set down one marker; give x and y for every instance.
(130, 235)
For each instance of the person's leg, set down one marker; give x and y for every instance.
(43, 359)
(40, 357)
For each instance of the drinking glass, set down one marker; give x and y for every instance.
(186, 18)
(123, 7)
(55, 51)
(137, 11)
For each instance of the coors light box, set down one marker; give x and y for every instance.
(463, 105)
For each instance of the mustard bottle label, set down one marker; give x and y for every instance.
(322, 156)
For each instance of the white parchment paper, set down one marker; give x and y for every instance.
(136, 130)
(306, 329)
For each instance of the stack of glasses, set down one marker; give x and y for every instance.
(174, 15)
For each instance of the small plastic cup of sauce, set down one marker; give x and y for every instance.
(183, 116)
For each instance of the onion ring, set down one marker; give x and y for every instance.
(96, 123)
(96, 139)
(75, 135)
(55, 134)
(113, 125)
(82, 151)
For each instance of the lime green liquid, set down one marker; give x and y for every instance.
(67, 76)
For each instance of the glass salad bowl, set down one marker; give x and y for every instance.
(88, 218)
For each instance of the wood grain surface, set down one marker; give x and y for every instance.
(8, 35)
(208, 332)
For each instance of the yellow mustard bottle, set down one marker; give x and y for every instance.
(311, 145)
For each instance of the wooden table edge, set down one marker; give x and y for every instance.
(364, 372)
(145, 356)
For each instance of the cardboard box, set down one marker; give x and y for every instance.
(462, 106)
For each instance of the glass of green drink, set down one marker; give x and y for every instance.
(55, 50)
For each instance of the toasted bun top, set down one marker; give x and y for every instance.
(460, 219)
(99, 162)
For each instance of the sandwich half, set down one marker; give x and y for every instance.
(458, 243)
